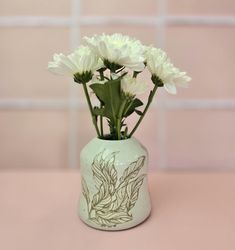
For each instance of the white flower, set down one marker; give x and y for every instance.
(118, 49)
(82, 60)
(131, 87)
(160, 66)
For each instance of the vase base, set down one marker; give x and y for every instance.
(121, 227)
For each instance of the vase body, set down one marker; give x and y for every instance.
(115, 192)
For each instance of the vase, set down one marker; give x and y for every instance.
(114, 184)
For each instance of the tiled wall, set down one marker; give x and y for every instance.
(43, 120)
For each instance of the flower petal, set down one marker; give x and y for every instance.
(170, 88)
(160, 65)
(118, 49)
(80, 61)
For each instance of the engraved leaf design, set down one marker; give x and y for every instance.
(97, 167)
(105, 175)
(121, 200)
(103, 169)
(112, 219)
(132, 170)
(133, 190)
(102, 198)
(109, 168)
(112, 202)
(85, 191)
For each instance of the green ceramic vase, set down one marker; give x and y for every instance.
(115, 192)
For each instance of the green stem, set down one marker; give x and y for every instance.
(90, 108)
(101, 75)
(101, 125)
(119, 119)
(118, 129)
(151, 95)
(135, 73)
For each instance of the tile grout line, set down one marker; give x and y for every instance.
(63, 21)
(72, 98)
(169, 104)
(161, 119)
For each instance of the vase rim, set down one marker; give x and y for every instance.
(114, 141)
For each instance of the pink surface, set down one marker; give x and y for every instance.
(192, 211)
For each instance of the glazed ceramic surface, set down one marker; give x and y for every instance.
(114, 184)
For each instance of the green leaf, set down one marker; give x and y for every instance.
(138, 112)
(98, 111)
(109, 94)
(137, 102)
(132, 105)
(98, 89)
(125, 132)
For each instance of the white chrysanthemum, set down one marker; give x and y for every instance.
(130, 86)
(118, 49)
(160, 65)
(80, 61)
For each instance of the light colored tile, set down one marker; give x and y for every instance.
(85, 130)
(23, 63)
(33, 140)
(186, 7)
(201, 140)
(34, 7)
(146, 34)
(121, 7)
(148, 136)
(208, 55)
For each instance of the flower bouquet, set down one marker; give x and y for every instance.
(111, 64)
(114, 164)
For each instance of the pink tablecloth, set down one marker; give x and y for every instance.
(191, 211)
